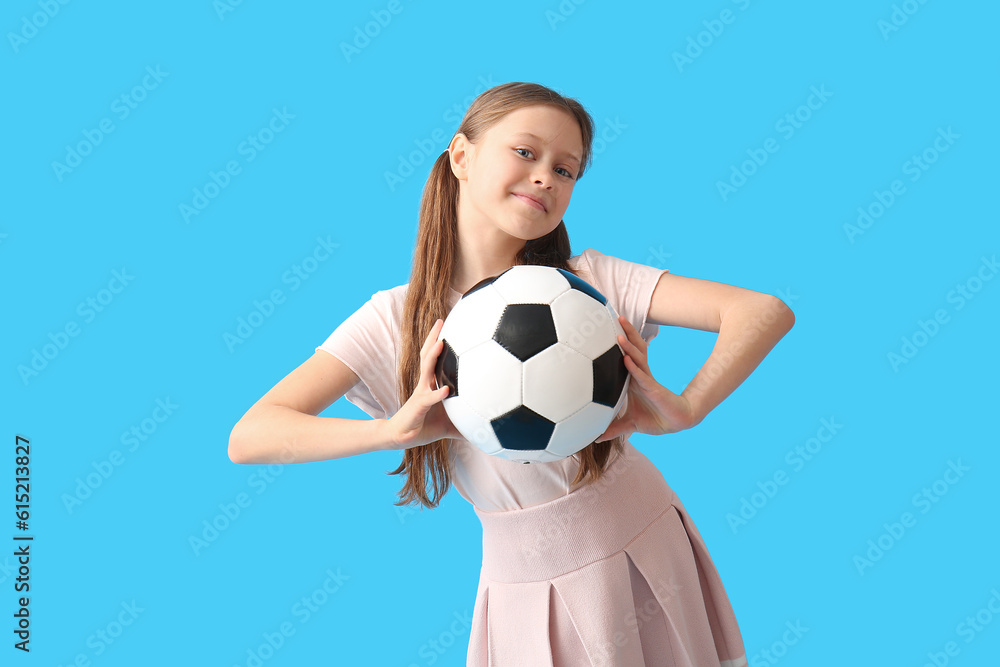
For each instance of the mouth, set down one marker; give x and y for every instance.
(531, 201)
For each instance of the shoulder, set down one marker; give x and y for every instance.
(584, 265)
(388, 301)
(613, 272)
(586, 258)
(596, 259)
(390, 297)
(381, 313)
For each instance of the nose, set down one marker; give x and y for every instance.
(541, 177)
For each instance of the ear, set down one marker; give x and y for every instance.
(459, 152)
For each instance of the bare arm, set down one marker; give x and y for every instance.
(748, 332)
(282, 427)
(749, 325)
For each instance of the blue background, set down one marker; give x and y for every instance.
(673, 130)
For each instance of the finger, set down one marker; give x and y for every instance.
(630, 347)
(636, 341)
(427, 399)
(642, 380)
(616, 428)
(642, 375)
(428, 374)
(436, 396)
(431, 336)
(630, 331)
(635, 354)
(428, 365)
(428, 349)
(607, 435)
(633, 338)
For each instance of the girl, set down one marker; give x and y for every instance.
(591, 560)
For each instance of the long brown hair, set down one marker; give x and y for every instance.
(430, 280)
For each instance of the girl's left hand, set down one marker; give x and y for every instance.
(651, 408)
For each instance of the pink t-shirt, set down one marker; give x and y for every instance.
(367, 343)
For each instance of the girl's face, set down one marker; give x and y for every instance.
(521, 172)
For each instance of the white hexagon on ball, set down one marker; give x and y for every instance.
(489, 380)
(479, 314)
(531, 284)
(558, 395)
(467, 420)
(583, 324)
(584, 426)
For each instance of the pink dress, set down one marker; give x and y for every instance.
(606, 574)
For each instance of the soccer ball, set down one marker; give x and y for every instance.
(533, 366)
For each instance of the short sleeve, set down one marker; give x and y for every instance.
(628, 286)
(365, 342)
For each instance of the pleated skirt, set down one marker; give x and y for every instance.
(614, 574)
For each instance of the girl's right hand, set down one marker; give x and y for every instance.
(422, 419)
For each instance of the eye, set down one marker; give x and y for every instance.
(567, 174)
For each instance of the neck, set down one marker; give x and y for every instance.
(483, 250)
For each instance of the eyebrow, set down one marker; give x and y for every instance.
(535, 136)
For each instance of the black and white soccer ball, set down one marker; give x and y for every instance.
(533, 365)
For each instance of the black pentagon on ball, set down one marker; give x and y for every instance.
(523, 429)
(609, 377)
(446, 370)
(525, 329)
(583, 286)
